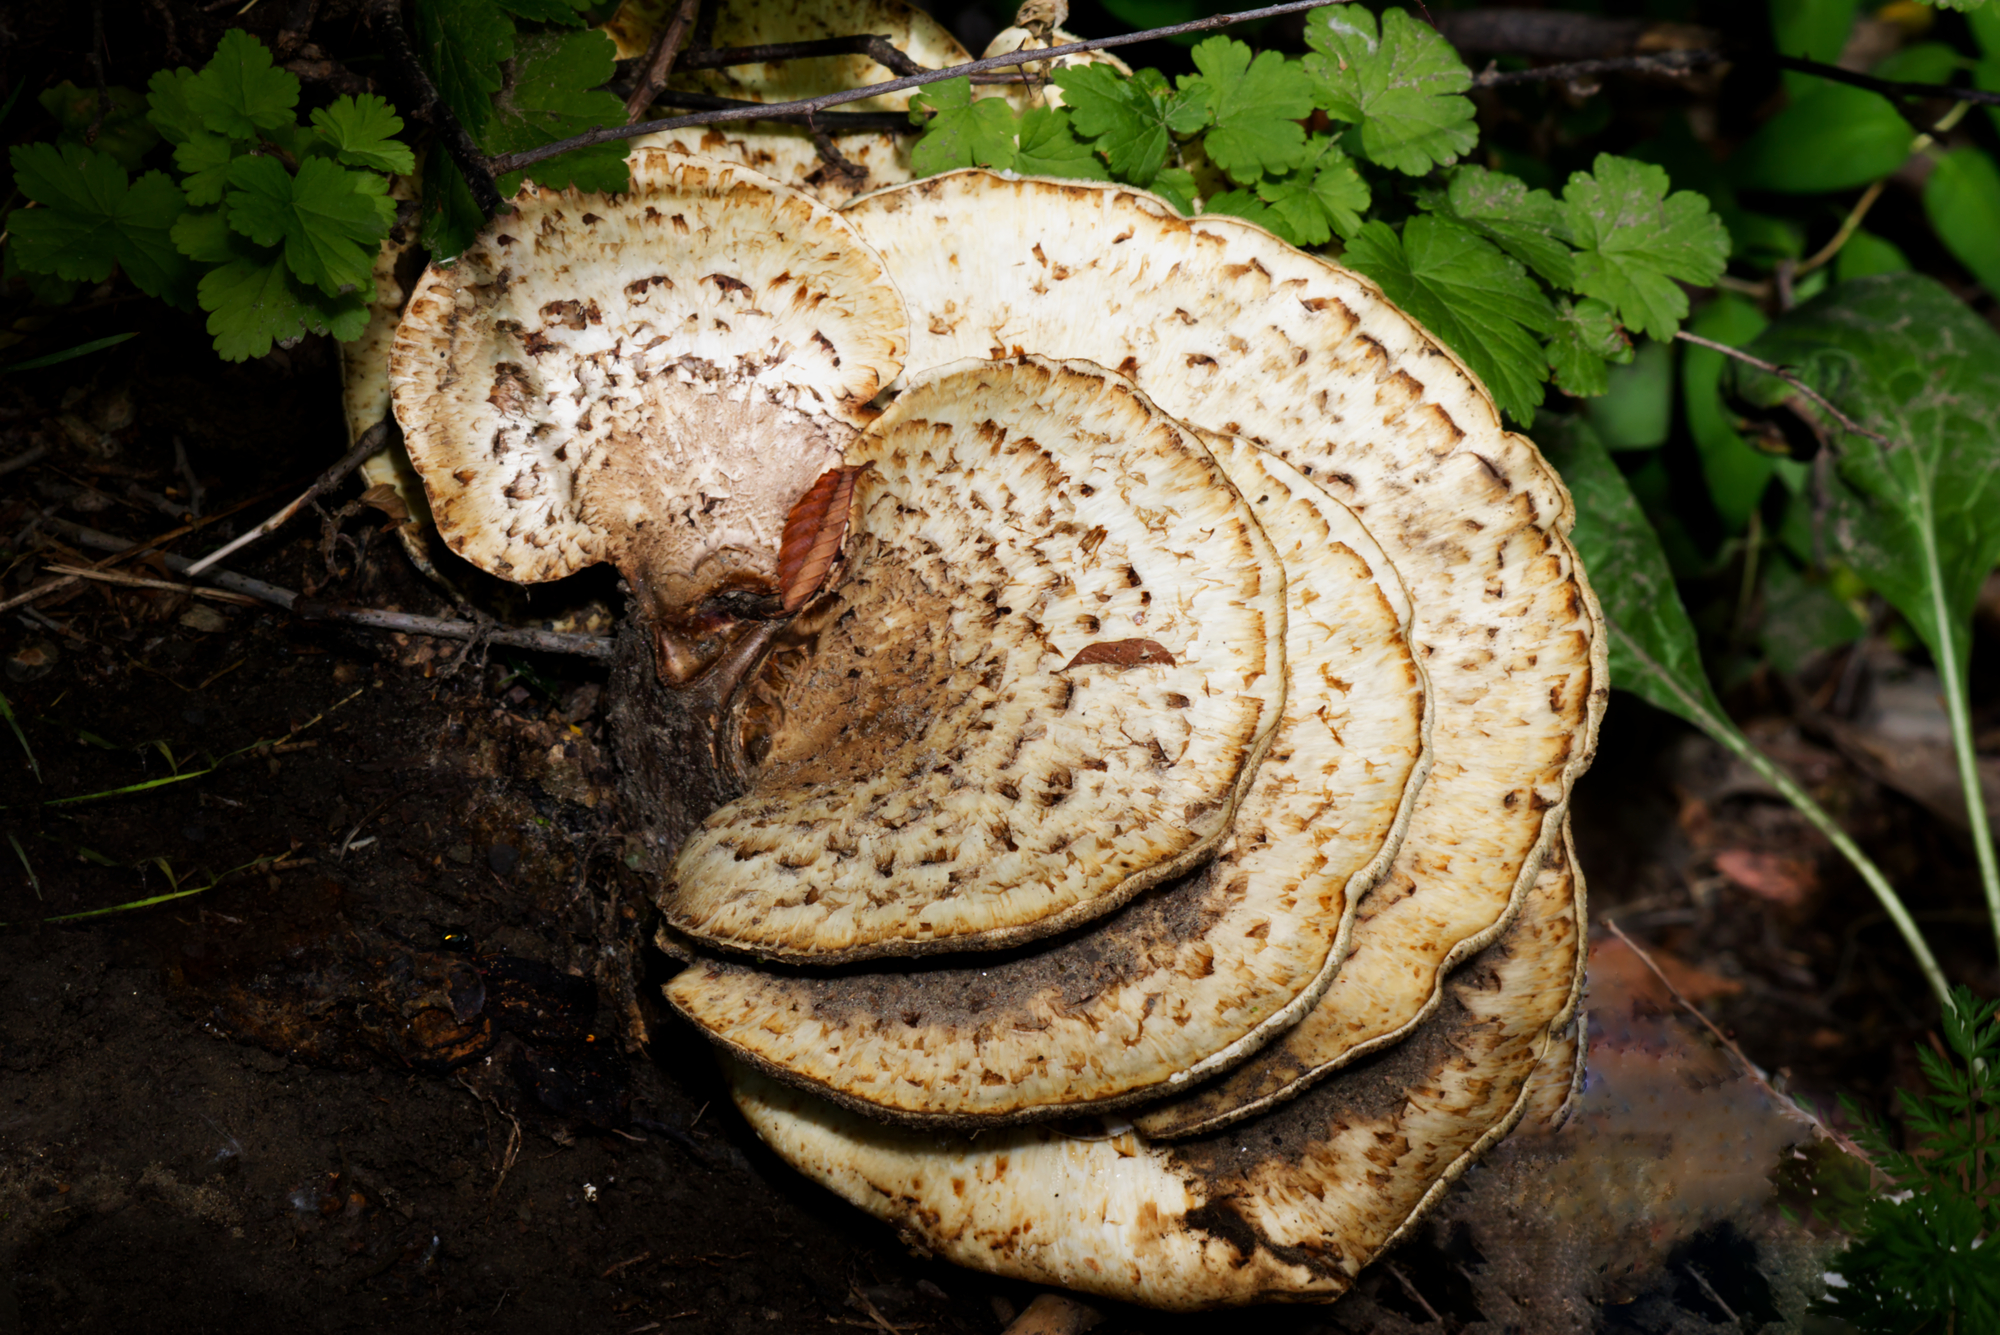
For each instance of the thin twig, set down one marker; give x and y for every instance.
(512, 162)
(1750, 1069)
(878, 49)
(386, 18)
(659, 64)
(1411, 1289)
(835, 122)
(371, 441)
(547, 641)
(1662, 62)
(23, 459)
(1848, 227)
(136, 582)
(1713, 1296)
(1772, 368)
(1890, 88)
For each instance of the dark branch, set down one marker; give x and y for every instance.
(512, 162)
(1673, 63)
(877, 49)
(548, 641)
(660, 60)
(1772, 368)
(1889, 88)
(833, 122)
(386, 18)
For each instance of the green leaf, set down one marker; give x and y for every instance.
(331, 221)
(1815, 29)
(1402, 86)
(450, 216)
(1984, 21)
(1737, 473)
(204, 160)
(167, 106)
(94, 216)
(462, 44)
(1323, 195)
(1133, 120)
(1654, 652)
(362, 133)
(1921, 1262)
(1637, 409)
(255, 302)
(1920, 522)
(1986, 74)
(1962, 200)
(960, 132)
(1253, 107)
(1049, 148)
(1802, 617)
(550, 95)
(1587, 338)
(1634, 241)
(1527, 224)
(1833, 137)
(239, 91)
(1176, 186)
(1480, 302)
(1245, 204)
(122, 129)
(560, 12)
(1866, 253)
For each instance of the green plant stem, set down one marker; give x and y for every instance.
(1696, 711)
(1958, 709)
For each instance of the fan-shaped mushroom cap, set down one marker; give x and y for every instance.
(1227, 327)
(765, 22)
(650, 379)
(1043, 686)
(1191, 977)
(1291, 1207)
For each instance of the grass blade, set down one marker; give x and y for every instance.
(22, 854)
(7, 712)
(67, 354)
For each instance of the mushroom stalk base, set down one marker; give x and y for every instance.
(676, 746)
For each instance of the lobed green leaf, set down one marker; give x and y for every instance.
(362, 132)
(240, 91)
(1636, 243)
(1401, 83)
(94, 216)
(1479, 301)
(552, 93)
(1252, 106)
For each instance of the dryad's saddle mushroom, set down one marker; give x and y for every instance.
(1080, 659)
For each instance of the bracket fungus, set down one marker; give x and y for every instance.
(1083, 663)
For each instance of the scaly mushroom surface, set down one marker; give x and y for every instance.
(1228, 327)
(962, 767)
(1191, 978)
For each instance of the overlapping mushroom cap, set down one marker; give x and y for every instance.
(1227, 327)
(1193, 977)
(652, 381)
(1113, 705)
(1050, 672)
